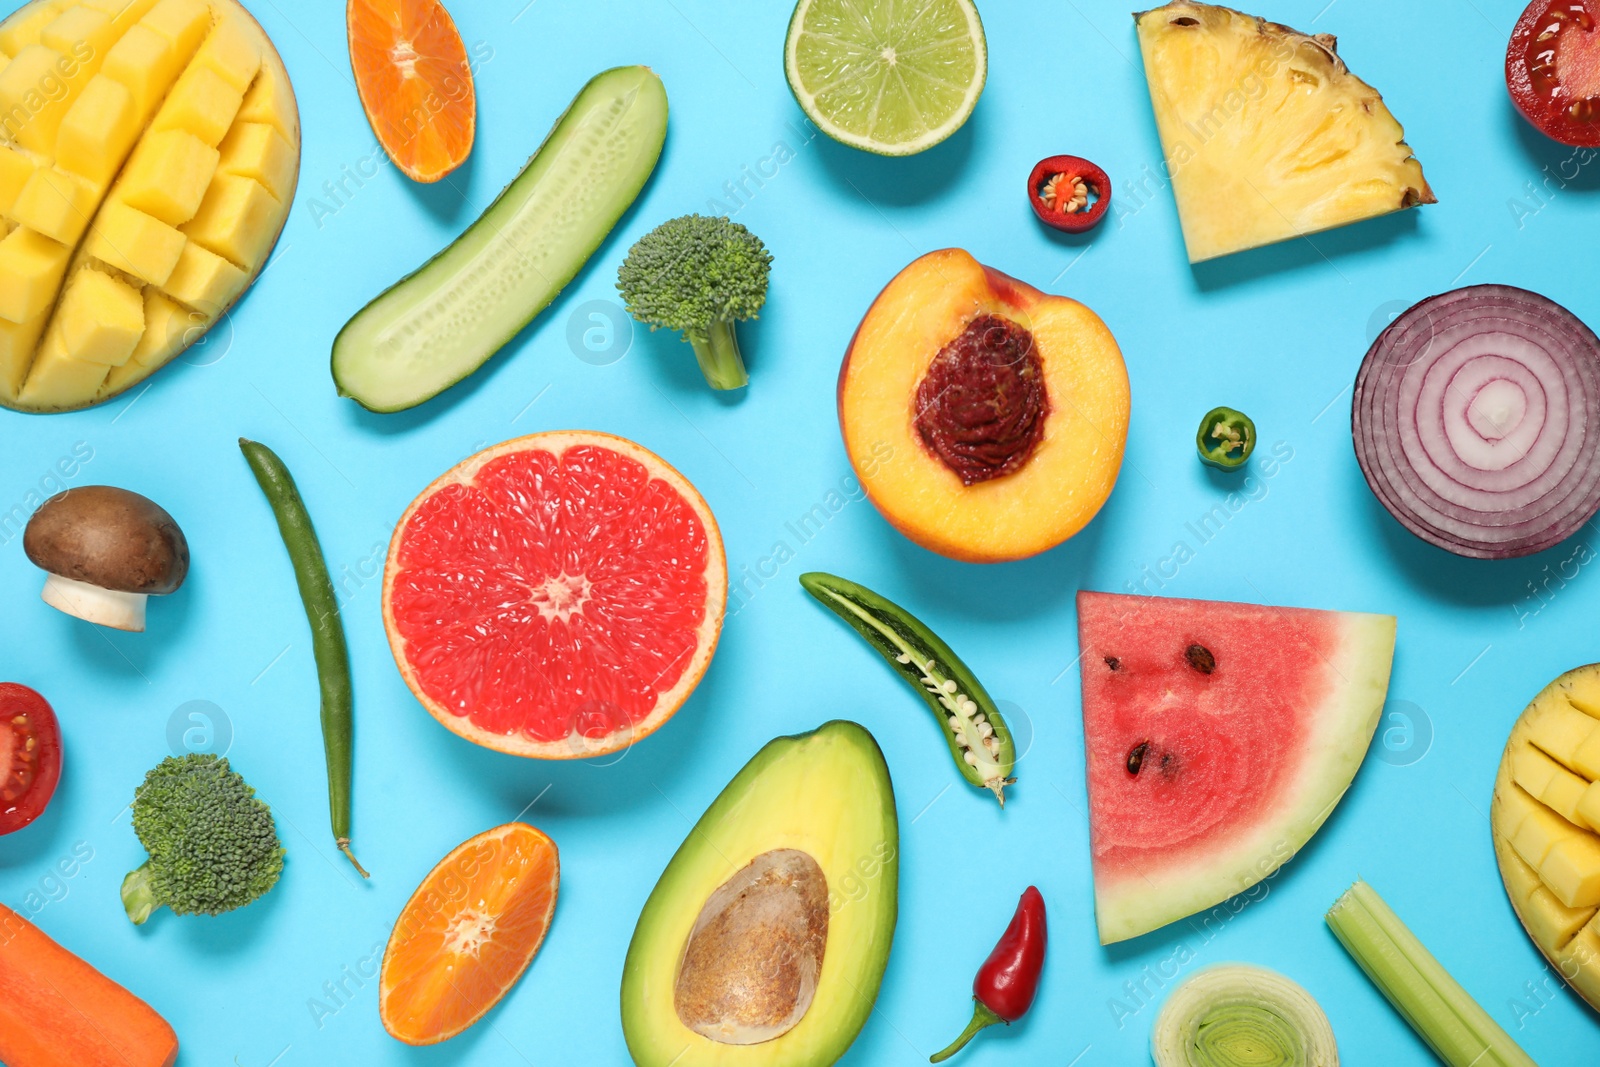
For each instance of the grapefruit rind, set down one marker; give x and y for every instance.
(574, 746)
(425, 902)
(1342, 725)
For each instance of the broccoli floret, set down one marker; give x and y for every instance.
(699, 275)
(212, 844)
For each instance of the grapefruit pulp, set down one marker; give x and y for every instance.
(556, 596)
(468, 933)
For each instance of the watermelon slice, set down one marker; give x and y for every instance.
(1219, 737)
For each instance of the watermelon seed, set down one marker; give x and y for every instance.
(1114, 663)
(1200, 658)
(1136, 756)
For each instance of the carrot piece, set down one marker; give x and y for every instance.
(57, 1011)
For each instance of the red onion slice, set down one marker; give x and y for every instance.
(1476, 420)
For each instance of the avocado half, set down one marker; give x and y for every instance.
(766, 939)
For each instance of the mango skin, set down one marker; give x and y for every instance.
(1072, 471)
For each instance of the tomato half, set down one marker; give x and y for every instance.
(1553, 69)
(30, 756)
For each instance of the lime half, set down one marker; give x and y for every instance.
(893, 77)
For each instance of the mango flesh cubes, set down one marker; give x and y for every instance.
(149, 151)
(1546, 823)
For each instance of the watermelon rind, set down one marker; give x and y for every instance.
(1343, 725)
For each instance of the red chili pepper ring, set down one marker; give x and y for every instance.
(1069, 193)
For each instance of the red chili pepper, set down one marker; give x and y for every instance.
(1055, 194)
(1006, 983)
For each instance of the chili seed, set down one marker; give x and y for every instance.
(1200, 658)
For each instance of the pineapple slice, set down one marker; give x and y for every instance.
(1267, 134)
(1543, 819)
(149, 151)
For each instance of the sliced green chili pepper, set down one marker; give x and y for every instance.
(1225, 439)
(327, 631)
(977, 735)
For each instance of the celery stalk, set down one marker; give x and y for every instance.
(1458, 1030)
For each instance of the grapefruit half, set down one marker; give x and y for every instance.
(557, 596)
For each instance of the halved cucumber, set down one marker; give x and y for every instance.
(442, 322)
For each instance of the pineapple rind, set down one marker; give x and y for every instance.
(1267, 135)
(1549, 858)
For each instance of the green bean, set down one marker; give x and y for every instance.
(327, 631)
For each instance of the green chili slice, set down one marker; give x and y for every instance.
(1225, 439)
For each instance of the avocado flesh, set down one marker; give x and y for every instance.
(825, 793)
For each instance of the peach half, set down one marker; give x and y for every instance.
(985, 419)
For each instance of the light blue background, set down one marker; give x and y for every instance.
(1278, 333)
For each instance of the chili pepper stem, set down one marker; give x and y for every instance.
(344, 846)
(982, 1017)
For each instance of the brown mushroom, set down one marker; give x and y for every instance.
(106, 550)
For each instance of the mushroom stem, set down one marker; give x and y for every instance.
(103, 607)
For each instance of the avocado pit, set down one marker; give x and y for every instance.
(750, 966)
(981, 405)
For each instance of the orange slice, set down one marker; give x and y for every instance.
(415, 83)
(467, 933)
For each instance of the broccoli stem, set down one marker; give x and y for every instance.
(138, 896)
(718, 352)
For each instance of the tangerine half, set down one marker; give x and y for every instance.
(468, 933)
(415, 83)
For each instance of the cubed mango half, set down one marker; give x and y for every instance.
(124, 230)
